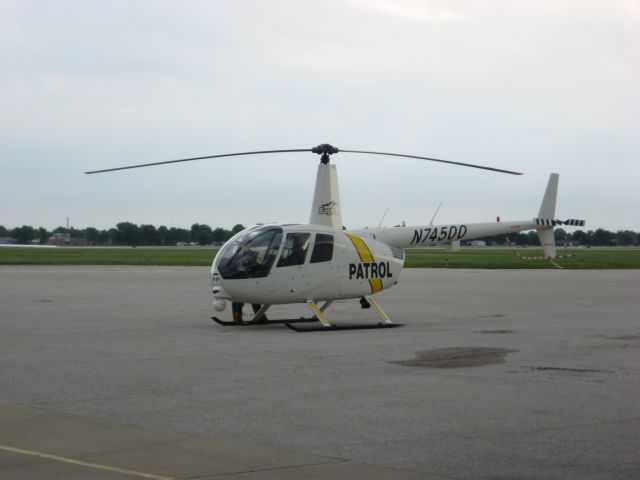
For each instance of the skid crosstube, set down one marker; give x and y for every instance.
(334, 327)
(231, 323)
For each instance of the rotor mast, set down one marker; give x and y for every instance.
(326, 208)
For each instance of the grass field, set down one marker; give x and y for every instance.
(173, 256)
(506, 258)
(416, 258)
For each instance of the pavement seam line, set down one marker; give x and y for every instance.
(73, 461)
(268, 469)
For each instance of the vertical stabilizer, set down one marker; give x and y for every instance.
(326, 209)
(548, 206)
(546, 217)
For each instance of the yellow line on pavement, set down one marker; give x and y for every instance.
(80, 463)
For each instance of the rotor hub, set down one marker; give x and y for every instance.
(326, 150)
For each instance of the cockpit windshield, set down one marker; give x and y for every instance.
(251, 255)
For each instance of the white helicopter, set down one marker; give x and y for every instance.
(321, 262)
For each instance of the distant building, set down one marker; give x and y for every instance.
(61, 239)
(566, 243)
(8, 241)
(478, 243)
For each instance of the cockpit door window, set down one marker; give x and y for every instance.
(294, 250)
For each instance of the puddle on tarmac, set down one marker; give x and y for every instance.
(457, 357)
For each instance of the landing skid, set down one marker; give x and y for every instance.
(334, 327)
(231, 323)
(322, 324)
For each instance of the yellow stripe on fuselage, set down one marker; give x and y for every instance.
(365, 256)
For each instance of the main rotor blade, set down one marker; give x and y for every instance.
(324, 149)
(196, 158)
(435, 160)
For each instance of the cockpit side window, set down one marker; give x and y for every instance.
(294, 250)
(323, 248)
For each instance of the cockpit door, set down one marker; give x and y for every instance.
(306, 267)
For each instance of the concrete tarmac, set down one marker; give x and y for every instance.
(117, 372)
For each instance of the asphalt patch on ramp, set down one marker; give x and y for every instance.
(457, 357)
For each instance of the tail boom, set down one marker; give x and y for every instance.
(425, 235)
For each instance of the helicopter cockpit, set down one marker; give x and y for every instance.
(251, 254)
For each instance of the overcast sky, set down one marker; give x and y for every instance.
(535, 86)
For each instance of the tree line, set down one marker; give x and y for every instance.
(597, 238)
(127, 233)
